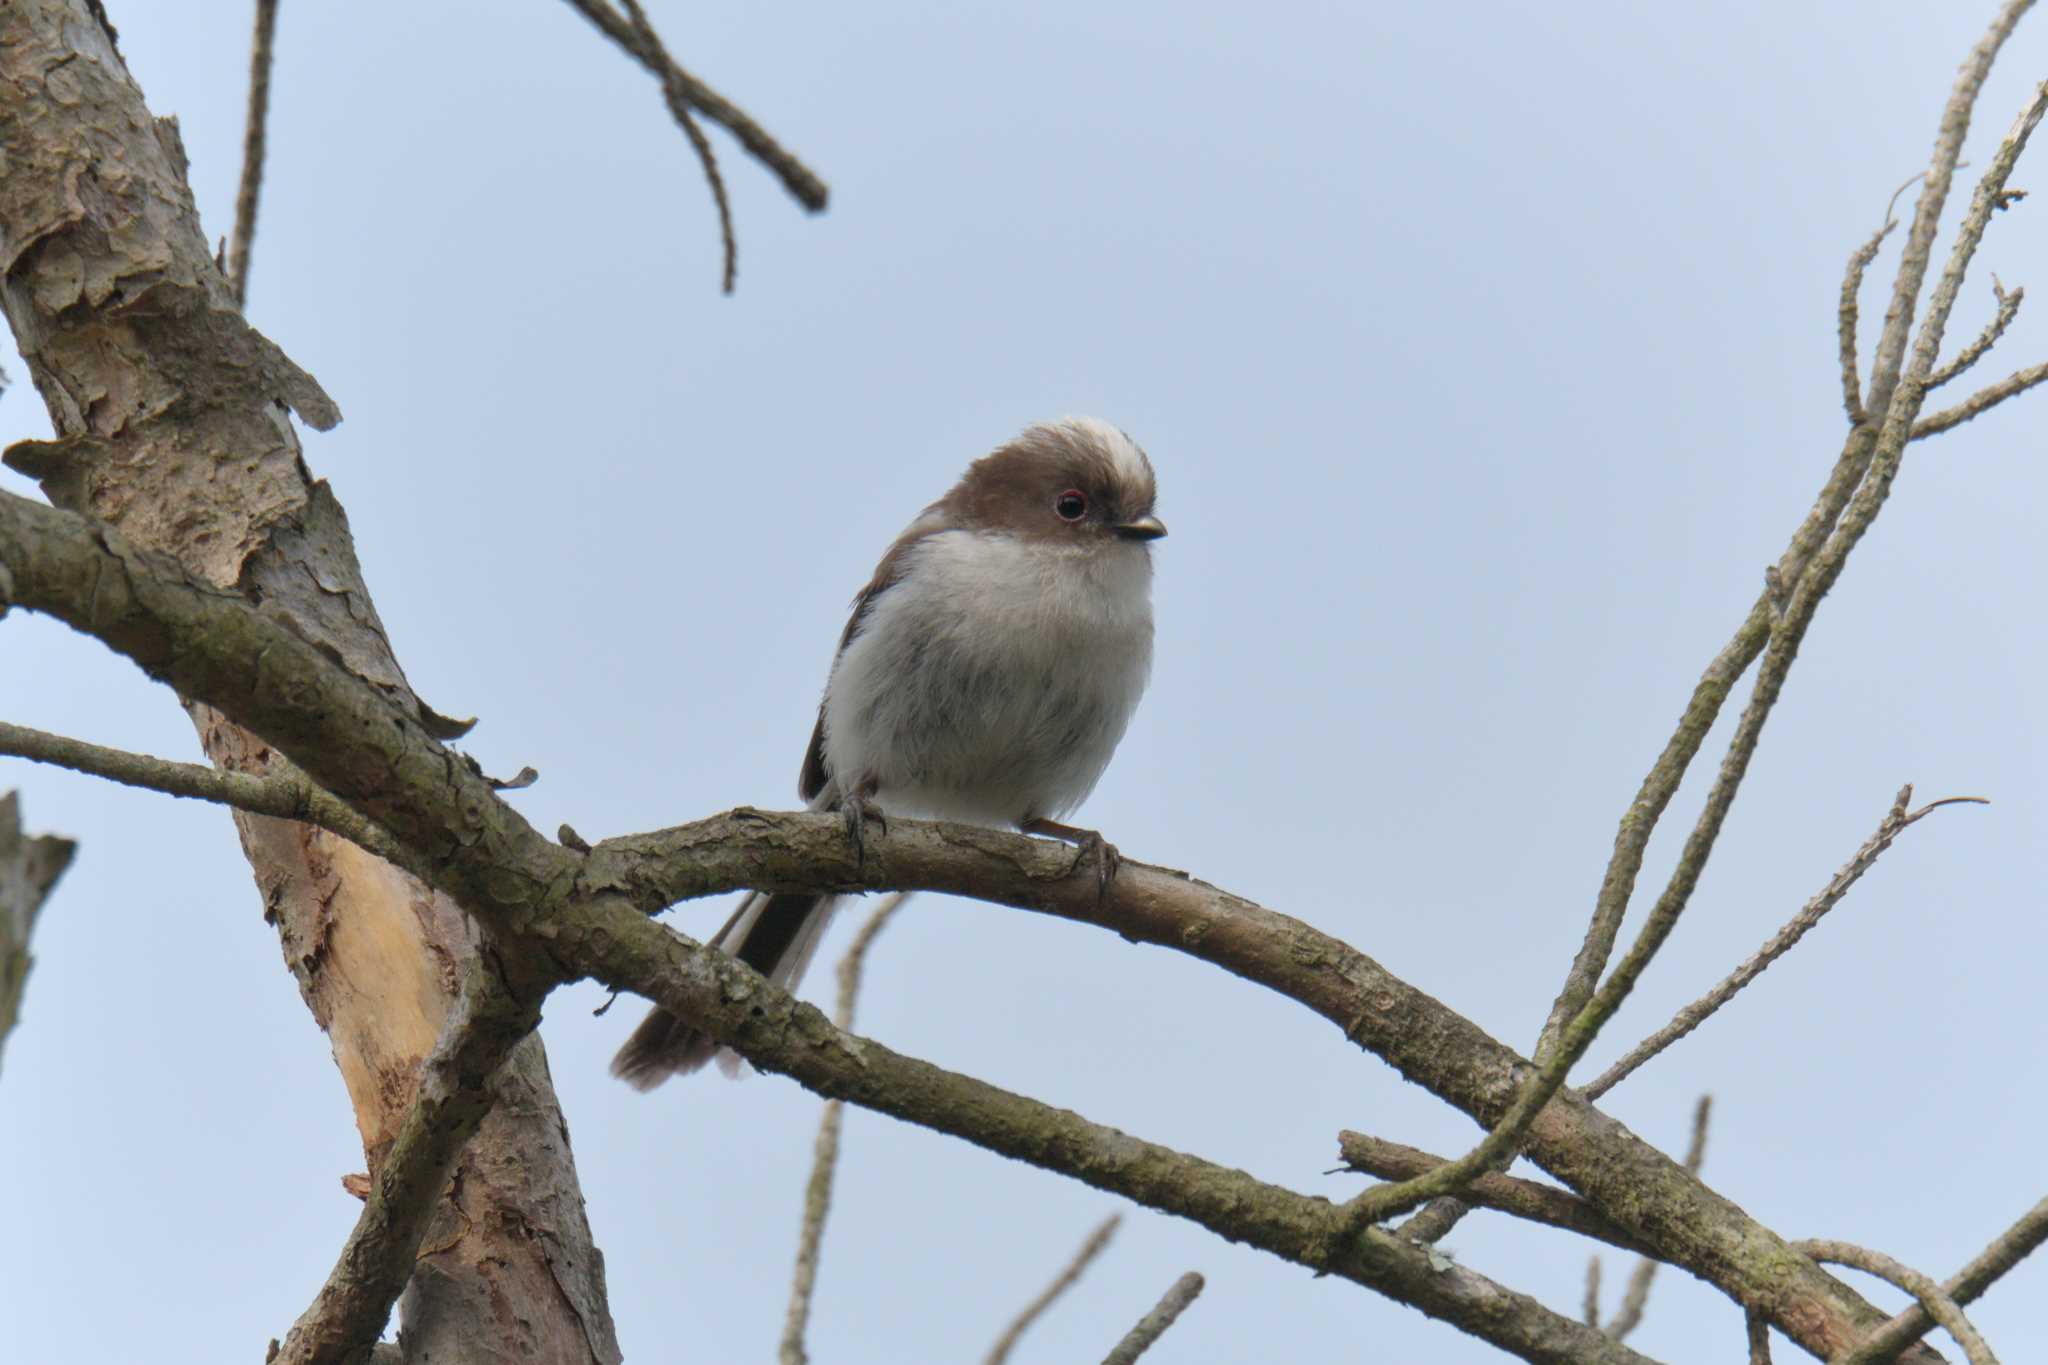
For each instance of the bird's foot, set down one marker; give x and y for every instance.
(857, 810)
(1089, 846)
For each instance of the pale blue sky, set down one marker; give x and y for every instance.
(1486, 355)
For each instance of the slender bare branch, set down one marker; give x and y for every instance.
(1153, 1325)
(2007, 1250)
(254, 137)
(1931, 1295)
(1980, 402)
(1759, 1333)
(288, 796)
(1896, 821)
(1589, 1303)
(1846, 318)
(1091, 1247)
(2008, 308)
(802, 183)
(29, 869)
(677, 94)
(1526, 1199)
(350, 1312)
(825, 1152)
(1637, 1296)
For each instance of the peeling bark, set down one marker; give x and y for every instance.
(172, 422)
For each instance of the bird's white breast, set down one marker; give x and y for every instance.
(992, 681)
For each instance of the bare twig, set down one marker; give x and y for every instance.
(253, 138)
(29, 869)
(825, 1152)
(1931, 1295)
(2008, 309)
(1758, 1330)
(1846, 317)
(1980, 402)
(455, 1093)
(802, 183)
(2007, 1250)
(1153, 1325)
(1590, 1304)
(1062, 1282)
(1896, 821)
(677, 94)
(1526, 1199)
(288, 797)
(1637, 1296)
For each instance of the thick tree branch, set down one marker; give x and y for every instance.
(349, 737)
(29, 869)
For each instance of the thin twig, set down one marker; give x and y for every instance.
(1090, 1249)
(1758, 1329)
(2008, 309)
(253, 138)
(1944, 1309)
(802, 183)
(1153, 1325)
(455, 1093)
(825, 1152)
(677, 94)
(1637, 1296)
(1895, 822)
(2006, 1250)
(1846, 317)
(288, 795)
(1590, 1304)
(1980, 402)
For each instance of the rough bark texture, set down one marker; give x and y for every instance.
(29, 869)
(172, 425)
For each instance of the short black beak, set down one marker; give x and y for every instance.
(1144, 528)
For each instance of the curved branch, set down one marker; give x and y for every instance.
(1937, 1303)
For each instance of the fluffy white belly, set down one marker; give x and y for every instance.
(992, 681)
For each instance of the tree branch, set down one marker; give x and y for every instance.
(1937, 1303)
(2007, 1250)
(1091, 1247)
(253, 139)
(29, 869)
(1980, 402)
(1637, 1296)
(1846, 319)
(1525, 1199)
(677, 94)
(349, 737)
(455, 1093)
(287, 795)
(1895, 822)
(801, 182)
(1153, 1325)
(2008, 309)
(825, 1152)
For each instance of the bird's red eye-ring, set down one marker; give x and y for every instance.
(1071, 505)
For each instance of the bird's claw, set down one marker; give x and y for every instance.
(857, 812)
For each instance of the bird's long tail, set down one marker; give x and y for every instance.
(775, 934)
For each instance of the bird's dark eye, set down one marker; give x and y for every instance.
(1071, 505)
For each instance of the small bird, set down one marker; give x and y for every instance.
(986, 675)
